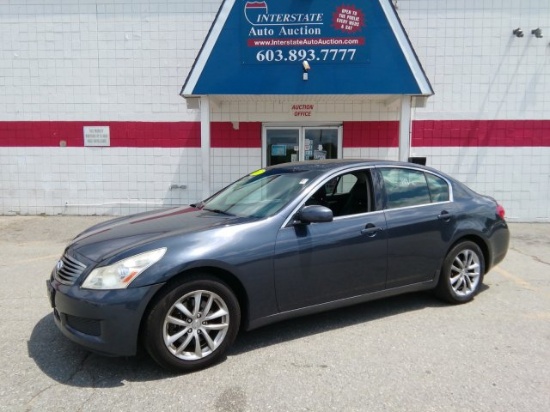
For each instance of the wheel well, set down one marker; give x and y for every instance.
(482, 245)
(225, 276)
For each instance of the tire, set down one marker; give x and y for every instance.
(462, 273)
(182, 336)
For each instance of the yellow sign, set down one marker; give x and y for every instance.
(257, 172)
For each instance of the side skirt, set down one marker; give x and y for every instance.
(323, 307)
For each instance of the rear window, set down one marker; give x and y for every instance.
(439, 189)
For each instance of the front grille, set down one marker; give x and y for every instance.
(68, 270)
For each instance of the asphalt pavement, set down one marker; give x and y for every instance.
(407, 353)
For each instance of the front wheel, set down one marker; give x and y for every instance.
(191, 325)
(462, 273)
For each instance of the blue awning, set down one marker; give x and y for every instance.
(307, 47)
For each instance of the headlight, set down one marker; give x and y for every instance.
(120, 274)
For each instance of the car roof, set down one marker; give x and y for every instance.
(322, 166)
(331, 164)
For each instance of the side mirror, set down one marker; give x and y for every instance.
(314, 214)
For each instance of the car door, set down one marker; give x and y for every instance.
(420, 224)
(322, 262)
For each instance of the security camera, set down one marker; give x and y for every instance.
(517, 32)
(537, 33)
(306, 65)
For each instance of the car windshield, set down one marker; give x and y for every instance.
(260, 194)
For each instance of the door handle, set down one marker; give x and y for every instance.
(371, 230)
(445, 216)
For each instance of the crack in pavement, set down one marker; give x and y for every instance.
(35, 396)
(534, 257)
(79, 368)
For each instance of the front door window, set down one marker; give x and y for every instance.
(292, 144)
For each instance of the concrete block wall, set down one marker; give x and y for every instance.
(517, 177)
(230, 164)
(64, 61)
(98, 60)
(122, 61)
(96, 181)
(478, 68)
(481, 71)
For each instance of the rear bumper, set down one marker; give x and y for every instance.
(500, 241)
(106, 322)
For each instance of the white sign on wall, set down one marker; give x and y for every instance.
(97, 136)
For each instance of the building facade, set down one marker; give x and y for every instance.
(120, 107)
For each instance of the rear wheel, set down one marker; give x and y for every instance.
(462, 273)
(191, 325)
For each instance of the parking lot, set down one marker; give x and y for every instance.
(408, 353)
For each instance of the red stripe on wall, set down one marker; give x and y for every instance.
(371, 134)
(481, 133)
(451, 133)
(245, 134)
(425, 133)
(122, 134)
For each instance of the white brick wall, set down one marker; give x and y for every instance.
(76, 60)
(228, 165)
(517, 177)
(99, 181)
(95, 60)
(478, 69)
(90, 60)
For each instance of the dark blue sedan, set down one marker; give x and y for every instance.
(281, 242)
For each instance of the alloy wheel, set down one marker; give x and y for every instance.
(465, 272)
(196, 325)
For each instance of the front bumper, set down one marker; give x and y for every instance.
(106, 322)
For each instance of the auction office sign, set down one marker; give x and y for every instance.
(290, 31)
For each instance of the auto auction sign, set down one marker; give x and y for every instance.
(290, 31)
(351, 46)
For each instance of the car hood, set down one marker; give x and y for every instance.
(109, 238)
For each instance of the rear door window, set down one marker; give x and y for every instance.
(405, 187)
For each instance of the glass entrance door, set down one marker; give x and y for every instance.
(320, 143)
(292, 144)
(282, 145)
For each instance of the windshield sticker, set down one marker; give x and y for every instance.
(304, 181)
(258, 172)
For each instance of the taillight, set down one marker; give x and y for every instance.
(500, 211)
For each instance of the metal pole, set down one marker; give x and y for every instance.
(205, 146)
(405, 129)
